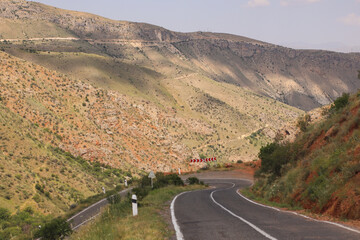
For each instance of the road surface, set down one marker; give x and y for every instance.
(91, 212)
(222, 213)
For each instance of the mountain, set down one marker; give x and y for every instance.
(302, 78)
(320, 169)
(191, 109)
(80, 89)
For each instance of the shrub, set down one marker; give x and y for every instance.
(114, 199)
(36, 198)
(341, 102)
(145, 181)
(4, 214)
(141, 192)
(171, 179)
(202, 156)
(273, 156)
(303, 122)
(239, 161)
(29, 210)
(39, 188)
(58, 228)
(193, 180)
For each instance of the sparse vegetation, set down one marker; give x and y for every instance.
(303, 122)
(64, 136)
(319, 168)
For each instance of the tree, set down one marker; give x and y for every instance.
(273, 157)
(58, 228)
(341, 102)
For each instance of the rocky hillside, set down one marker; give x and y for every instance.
(135, 97)
(139, 77)
(320, 170)
(93, 123)
(304, 79)
(62, 139)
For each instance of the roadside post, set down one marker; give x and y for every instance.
(104, 191)
(152, 176)
(179, 171)
(134, 205)
(125, 183)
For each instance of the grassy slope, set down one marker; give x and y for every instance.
(118, 223)
(325, 176)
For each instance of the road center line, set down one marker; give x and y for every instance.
(265, 234)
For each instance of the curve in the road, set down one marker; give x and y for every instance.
(265, 234)
(215, 213)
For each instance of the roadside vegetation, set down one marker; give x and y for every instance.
(320, 170)
(117, 221)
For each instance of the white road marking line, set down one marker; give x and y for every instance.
(86, 221)
(265, 234)
(102, 200)
(179, 235)
(298, 214)
(86, 209)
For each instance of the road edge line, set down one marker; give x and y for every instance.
(94, 204)
(179, 235)
(299, 214)
(262, 232)
(76, 227)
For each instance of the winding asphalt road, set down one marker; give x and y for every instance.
(222, 213)
(91, 212)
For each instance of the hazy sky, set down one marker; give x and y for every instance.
(326, 24)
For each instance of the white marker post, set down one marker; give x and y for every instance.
(179, 171)
(125, 183)
(104, 191)
(152, 176)
(134, 205)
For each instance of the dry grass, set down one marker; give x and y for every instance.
(118, 223)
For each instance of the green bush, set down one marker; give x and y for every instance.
(164, 180)
(39, 188)
(4, 214)
(57, 228)
(114, 199)
(341, 102)
(273, 156)
(193, 180)
(141, 192)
